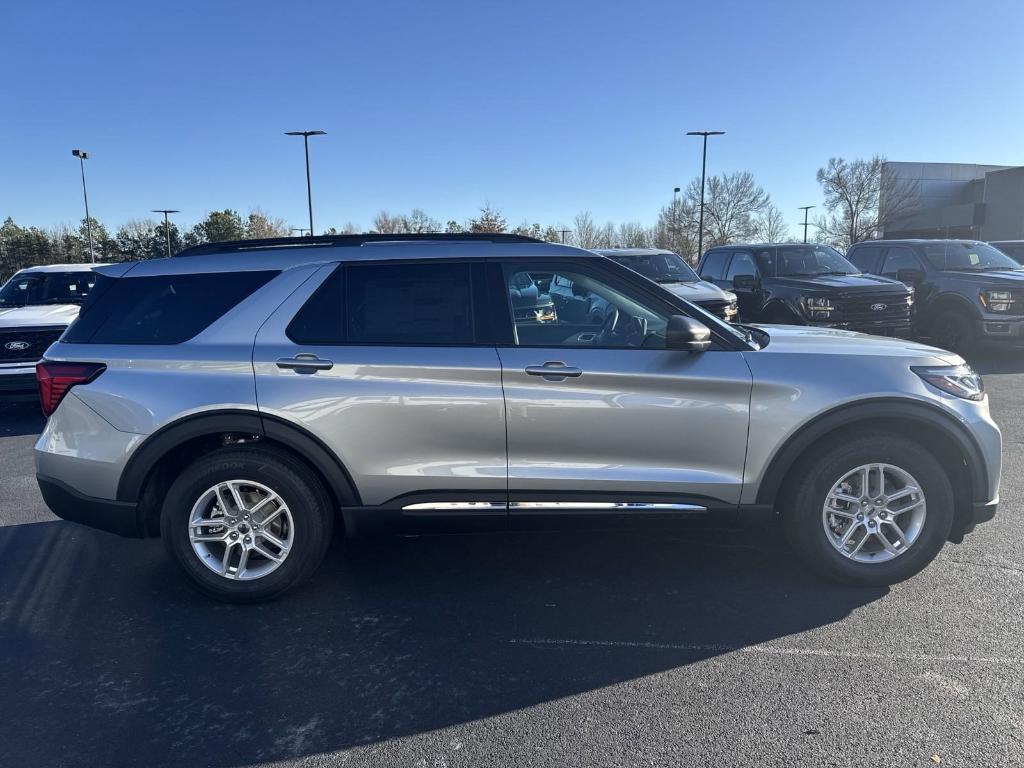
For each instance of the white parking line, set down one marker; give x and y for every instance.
(770, 650)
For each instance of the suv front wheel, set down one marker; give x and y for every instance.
(870, 512)
(247, 524)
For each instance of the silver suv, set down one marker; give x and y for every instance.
(242, 399)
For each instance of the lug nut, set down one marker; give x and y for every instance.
(860, 517)
(871, 523)
(248, 540)
(234, 535)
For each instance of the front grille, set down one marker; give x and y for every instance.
(26, 345)
(726, 310)
(872, 309)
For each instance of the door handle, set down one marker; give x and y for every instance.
(554, 371)
(305, 362)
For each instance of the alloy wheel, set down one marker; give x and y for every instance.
(241, 530)
(874, 513)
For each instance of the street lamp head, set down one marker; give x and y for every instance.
(165, 210)
(305, 133)
(675, 190)
(705, 133)
(80, 154)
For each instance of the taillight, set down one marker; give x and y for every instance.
(55, 379)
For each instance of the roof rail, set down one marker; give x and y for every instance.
(354, 240)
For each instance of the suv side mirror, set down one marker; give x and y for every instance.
(910, 275)
(687, 334)
(744, 282)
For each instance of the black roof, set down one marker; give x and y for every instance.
(335, 241)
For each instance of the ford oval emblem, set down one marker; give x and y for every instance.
(878, 307)
(17, 346)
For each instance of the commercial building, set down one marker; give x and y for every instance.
(956, 200)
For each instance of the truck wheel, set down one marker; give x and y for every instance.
(953, 330)
(247, 524)
(870, 511)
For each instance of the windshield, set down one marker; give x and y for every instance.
(971, 257)
(660, 267)
(47, 288)
(805, 260)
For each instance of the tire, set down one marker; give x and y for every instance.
(781, 316)
(807, 526)
(304, 524)
(953, 330)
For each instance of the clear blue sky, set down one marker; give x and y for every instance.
(542, 108)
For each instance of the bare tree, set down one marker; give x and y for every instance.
(770, 226)
(633, 234)
(676, 229)
(585, 232)
(386, 224)
(861, 199)
(261, 225)
(732, 203)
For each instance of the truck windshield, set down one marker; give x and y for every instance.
(969, 257)
(660, 267)
(807, 260)
(47, 288)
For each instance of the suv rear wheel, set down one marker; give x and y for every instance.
(870, 512)
(247, 524)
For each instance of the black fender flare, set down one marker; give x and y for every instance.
(780, 303)
(946, 302)
(159, 444)
(846, 415)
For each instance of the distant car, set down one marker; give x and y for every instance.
(808, 284)
(36, 305)
(966, 291)
(673, 273)
(1012, 248)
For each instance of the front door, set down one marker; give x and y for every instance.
(603, 416)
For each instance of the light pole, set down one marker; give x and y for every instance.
(703, 169)
(805, 209)
(167, 226)
(675, 217)
(309, 189)
(300, 230)
(564, 233)
(82, 157)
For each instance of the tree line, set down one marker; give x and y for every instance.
(736, 209)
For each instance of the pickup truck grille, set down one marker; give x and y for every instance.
(26, 345)
(872, 309)
(726, 310)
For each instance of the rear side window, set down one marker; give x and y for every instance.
(164, 309)
(714, 265)
(409, 304)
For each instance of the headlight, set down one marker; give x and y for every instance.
(818, 302)
(956, 380)
(996, 301)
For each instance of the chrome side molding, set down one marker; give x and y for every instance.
(639, 506)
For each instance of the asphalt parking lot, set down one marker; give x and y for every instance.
(603, 648)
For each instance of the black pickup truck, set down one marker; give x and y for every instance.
(965, 291)
(807, 284)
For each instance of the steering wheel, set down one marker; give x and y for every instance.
(611, 320)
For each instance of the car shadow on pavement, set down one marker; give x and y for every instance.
(109, 657)
(988, 360)
(21, 417)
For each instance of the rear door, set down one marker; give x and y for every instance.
(605, 418)
(387, 364)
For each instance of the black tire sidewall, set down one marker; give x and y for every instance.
(954, 319)
(300, 489)
(803, 519)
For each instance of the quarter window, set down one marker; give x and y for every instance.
(164, 309)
